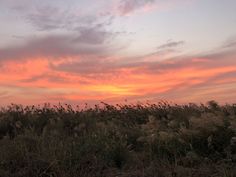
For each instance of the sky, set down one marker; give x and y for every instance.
(87, 51)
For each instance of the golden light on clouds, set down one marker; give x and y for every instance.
(117, 50)
(147, 80)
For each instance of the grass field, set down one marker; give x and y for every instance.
(143, 140)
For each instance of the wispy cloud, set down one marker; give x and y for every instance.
(59, 46)
(129, 6)
(170, 44)
(112, 79)
(65, 19)
(230, 43)
(73, 53)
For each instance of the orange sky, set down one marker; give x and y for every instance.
(38, 80)
(78, 51)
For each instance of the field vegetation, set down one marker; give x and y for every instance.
(141, 140)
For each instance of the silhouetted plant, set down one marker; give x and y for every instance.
(139, 140)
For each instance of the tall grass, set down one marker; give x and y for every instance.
(140, 140)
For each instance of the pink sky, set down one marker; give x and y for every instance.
(124, 50)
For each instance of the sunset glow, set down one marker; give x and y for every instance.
(82, 51)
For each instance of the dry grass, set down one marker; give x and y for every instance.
(159, 140)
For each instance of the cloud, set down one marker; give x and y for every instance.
(189, 78)
(129, 6)
(171, 44)
(49, 77)
(43, 19)
(115, 67)
(66, 31)
(93, 35)
(62, 18)
(51, 17)
(85, 67)
(58, 46)
(73, 57)
(230, 43)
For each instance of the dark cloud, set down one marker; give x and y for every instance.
(46, 18)
(93, 35)
(128, 6)
(90, 29)
(170, 44)
(103, 67)
(49, 17)
(49, 77)
(200, 61)
(52, 46)
(83, 30)
(89, 66)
